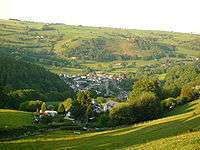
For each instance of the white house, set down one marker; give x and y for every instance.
(51, 113)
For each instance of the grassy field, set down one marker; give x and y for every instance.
(13, 118)
(179, 130)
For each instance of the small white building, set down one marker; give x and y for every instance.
(67, 116)
(51, 113)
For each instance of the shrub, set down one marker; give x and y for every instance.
(147, 106)
(181, 100)
(46, 119)
(31, 106)
(61, 108)
(67, 104)
(43, 107)
(145, 85)
(20, 131)
(100, 100)
(103, 120)
(122, 114)
(190, 92)
(169, 103)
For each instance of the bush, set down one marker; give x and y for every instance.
(20, 131)
(46, 119)
(101, 100)
(145, 85)
(61, 109)
(58, 118)
(67, 104)
(103, 120)
(168, 104)
(31, 106)
(190, 92)
(147, 106)
(181, 100)
(122, 114)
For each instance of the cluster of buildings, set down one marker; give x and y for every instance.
(103, 84)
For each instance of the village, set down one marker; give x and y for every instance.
(102, 84)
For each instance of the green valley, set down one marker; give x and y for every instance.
(81, 87)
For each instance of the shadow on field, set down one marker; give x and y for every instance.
(114, 139)
(135, 136)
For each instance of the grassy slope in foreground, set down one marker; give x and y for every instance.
(166, 133)
(13, 118)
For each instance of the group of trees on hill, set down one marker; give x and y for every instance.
(97, 49)
(179, 76)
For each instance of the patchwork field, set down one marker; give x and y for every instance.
(67, 49)
(179, 130)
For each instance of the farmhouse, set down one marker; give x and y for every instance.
(51, 113)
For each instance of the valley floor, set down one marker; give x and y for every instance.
(180, 130)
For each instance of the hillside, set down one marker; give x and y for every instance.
(22, 75)
(18, 75)
(57, 43)
(173, 132)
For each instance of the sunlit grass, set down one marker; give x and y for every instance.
(13, 118)
(149, 135)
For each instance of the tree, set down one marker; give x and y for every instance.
(145, 85)
(122, 114)
(67, 104)
(31, 106)
(179, 76)
(147, 106)
(78, 111)
(61, 108)
(3, 98)
(82, 107)
(100, 100)
(84, 98)
(30, 81)
(191, 91)
(103, 120)
(43, 107)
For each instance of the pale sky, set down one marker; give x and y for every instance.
(170, 15)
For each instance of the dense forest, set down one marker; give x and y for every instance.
(26, 81)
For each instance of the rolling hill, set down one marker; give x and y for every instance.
(180, 129)
(38, 41)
